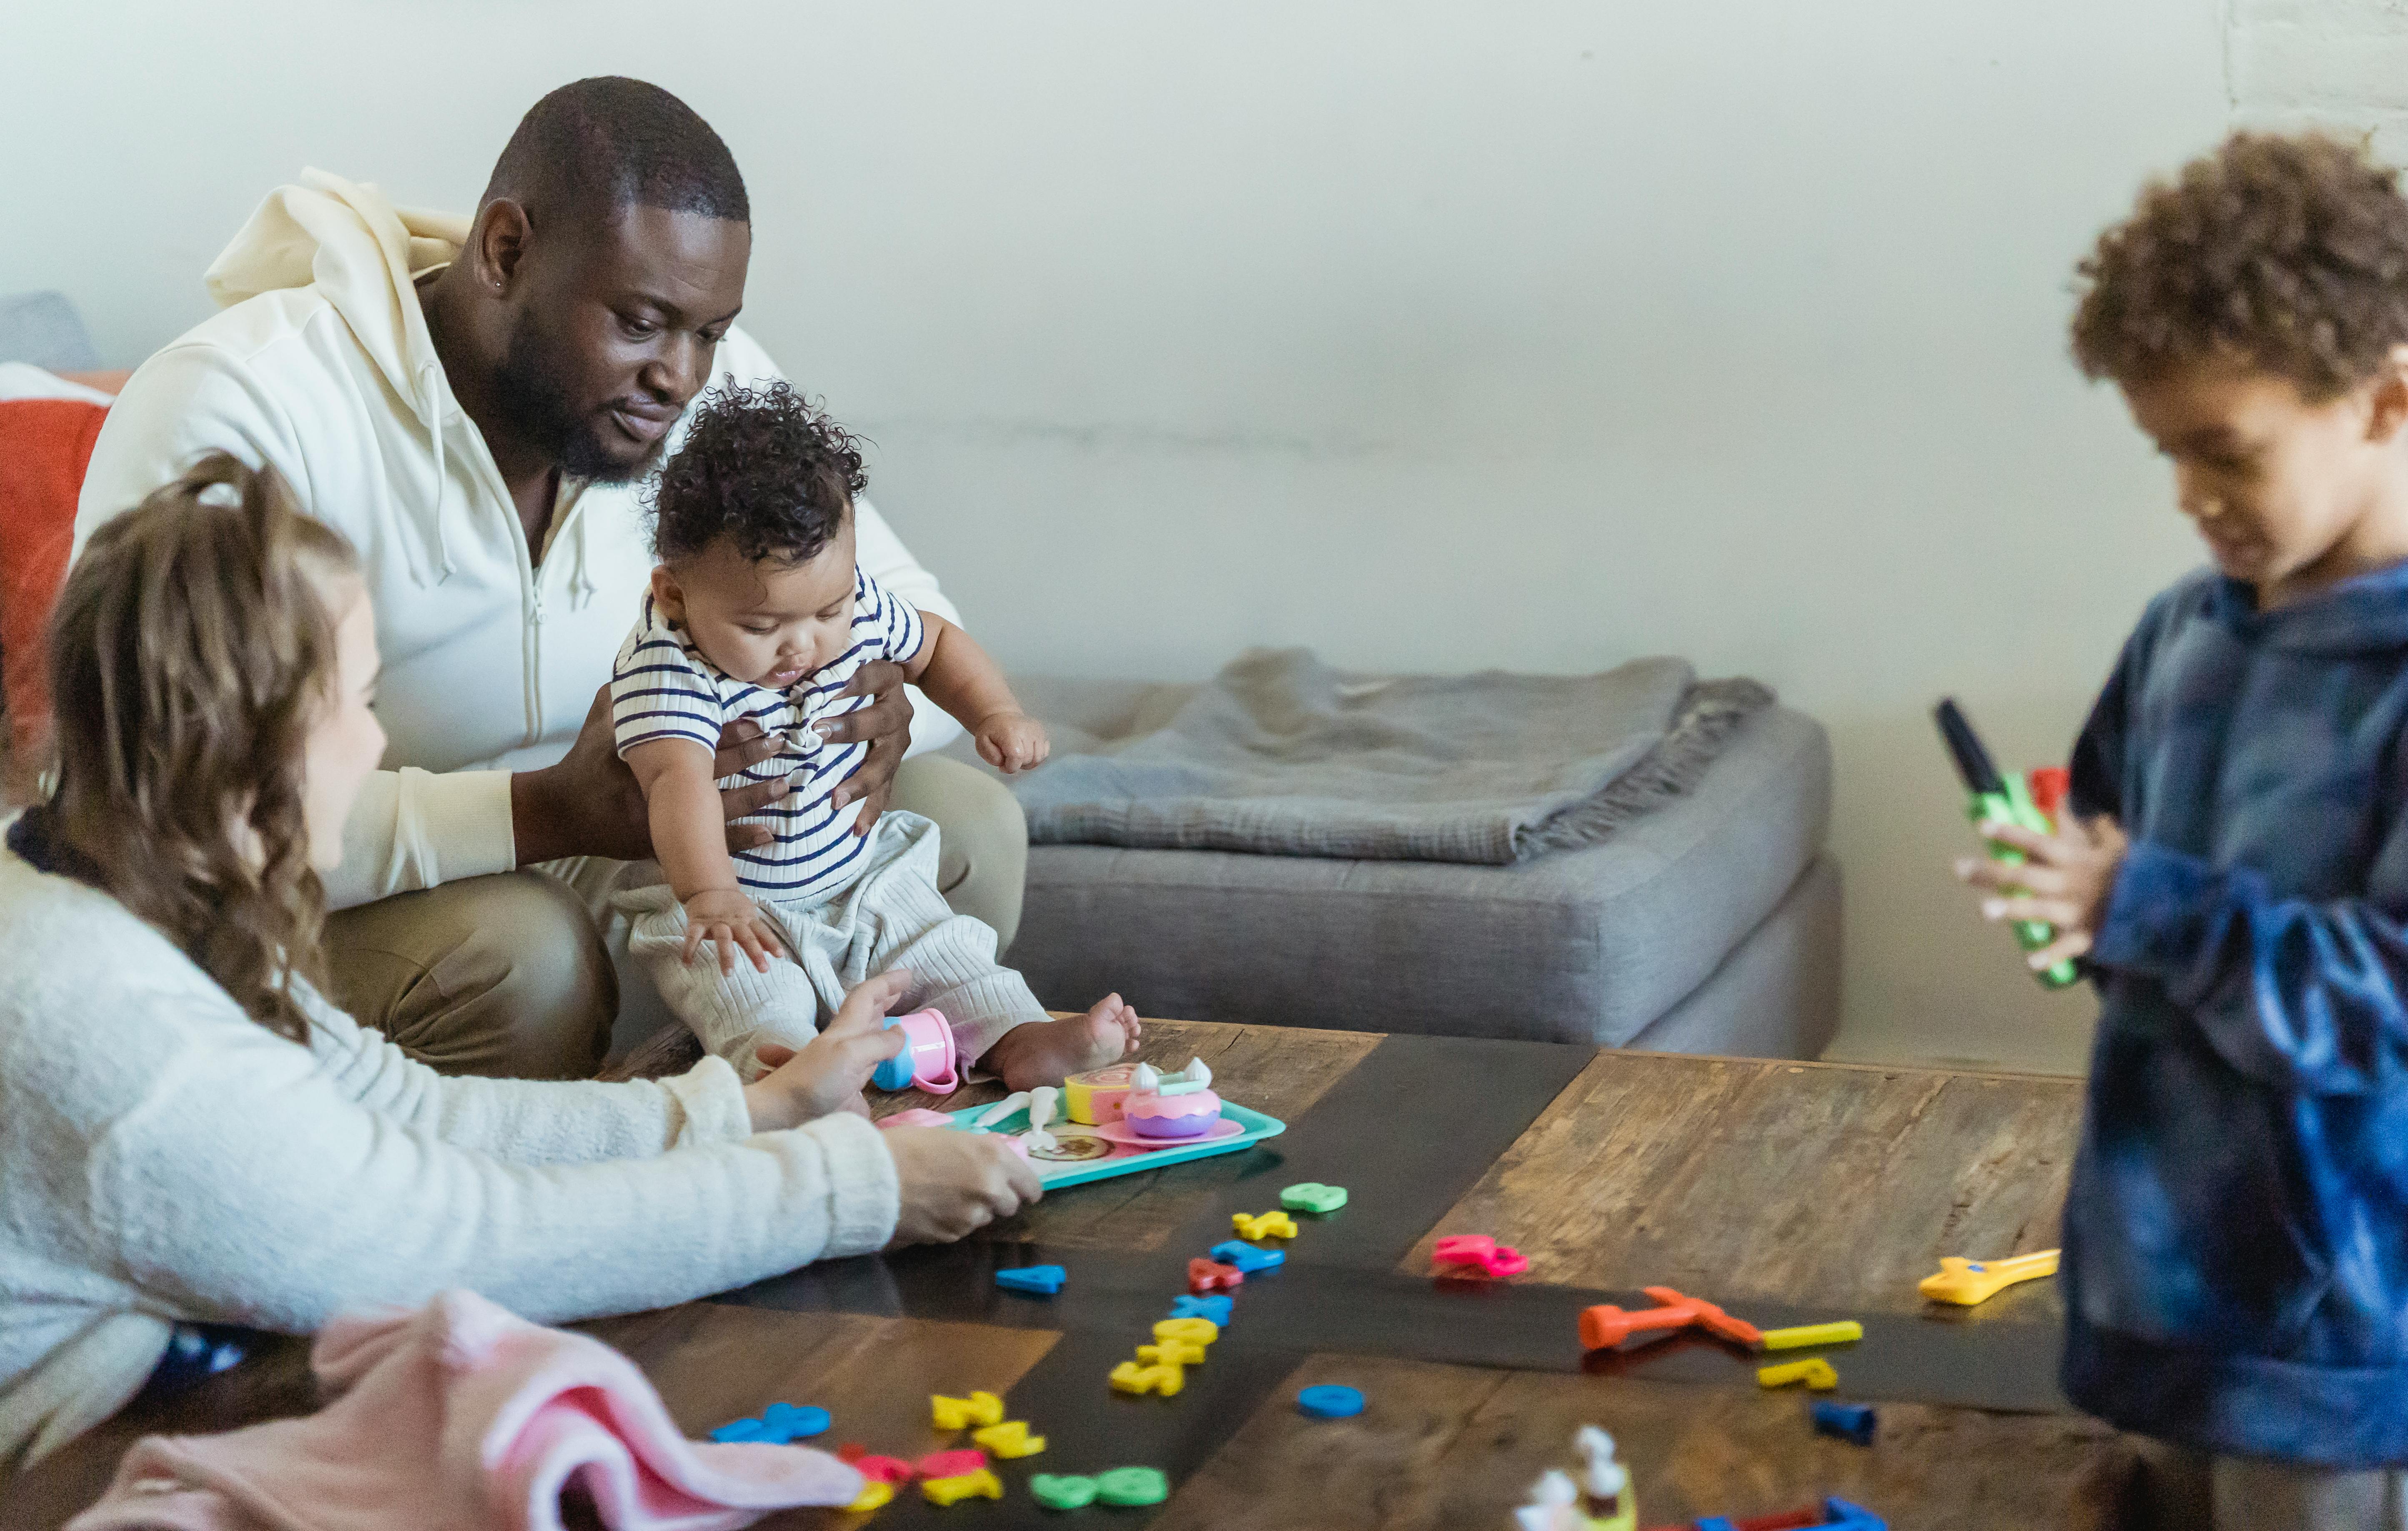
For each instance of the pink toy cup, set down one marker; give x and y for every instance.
(927, 1059)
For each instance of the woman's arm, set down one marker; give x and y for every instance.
(243, 1185)
(549, 1122)
(219, 1167)
(532, 1122)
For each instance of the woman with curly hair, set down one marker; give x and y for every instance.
(759, 611)
(193, 1133)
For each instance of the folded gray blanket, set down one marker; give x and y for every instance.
(1282, 754)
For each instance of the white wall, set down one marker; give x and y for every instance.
(1514, 333)
(2330, 64)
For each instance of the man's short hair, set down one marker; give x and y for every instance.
(602, 143)
(2288, 253)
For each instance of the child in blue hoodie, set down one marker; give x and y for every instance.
(2235, 870)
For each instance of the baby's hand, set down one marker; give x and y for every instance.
(2064, 880)
(1013, 741)
(729, 920)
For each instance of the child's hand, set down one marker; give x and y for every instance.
(729, 920)
(1013, 741)
(2064, 880)
(828, 1073)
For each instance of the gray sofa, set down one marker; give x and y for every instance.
(1710, 927)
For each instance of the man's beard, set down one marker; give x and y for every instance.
(528, 394)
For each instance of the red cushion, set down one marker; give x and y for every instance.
(44, 446)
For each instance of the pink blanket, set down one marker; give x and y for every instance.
(462, 1417)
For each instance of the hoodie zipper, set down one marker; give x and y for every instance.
(530, 587)
(534, 667)
(531, 595)
(558, 534)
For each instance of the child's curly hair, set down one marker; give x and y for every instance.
(2289, 253)
(762, 468)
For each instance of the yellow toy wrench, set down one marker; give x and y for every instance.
(1967, 1283)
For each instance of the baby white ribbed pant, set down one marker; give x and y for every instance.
(889, 916)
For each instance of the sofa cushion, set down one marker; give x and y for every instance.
(44, 445)
(1582, 945)
(1777, 994)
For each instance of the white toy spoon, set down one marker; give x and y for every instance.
(1042, 1101)
(1000, 1110)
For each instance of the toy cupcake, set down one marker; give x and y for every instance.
(1176, 1105)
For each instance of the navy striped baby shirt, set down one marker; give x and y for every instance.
(662, 688)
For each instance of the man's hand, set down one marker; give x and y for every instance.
(2064, 880)
(589, 804)
(828, 1073)
(729, 920)
(886, 726)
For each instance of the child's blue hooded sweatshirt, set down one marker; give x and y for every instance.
(2236, 1236)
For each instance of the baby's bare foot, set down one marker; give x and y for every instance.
(1049, 1052)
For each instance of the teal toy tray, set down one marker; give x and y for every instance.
(1080, 1160)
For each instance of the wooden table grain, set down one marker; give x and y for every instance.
(1795, 1185)
(1440, 1447)
(1806, 1184)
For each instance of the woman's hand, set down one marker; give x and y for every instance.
(1013, 741)
(728, 919)
(2064, 880)
(827, 1074)
(955, 1183)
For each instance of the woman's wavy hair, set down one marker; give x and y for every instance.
(191, 652)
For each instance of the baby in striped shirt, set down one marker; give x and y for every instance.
(758, 611)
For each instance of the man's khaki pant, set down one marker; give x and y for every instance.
(511, 976)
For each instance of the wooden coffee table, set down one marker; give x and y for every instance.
(1788, 1193)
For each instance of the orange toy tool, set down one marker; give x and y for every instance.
(1605, 1326)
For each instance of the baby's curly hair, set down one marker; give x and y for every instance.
(762, 468)
(2288, 253)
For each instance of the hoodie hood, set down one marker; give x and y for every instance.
(2365, 614)
(362, 254)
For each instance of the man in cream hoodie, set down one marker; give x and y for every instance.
(475, 403)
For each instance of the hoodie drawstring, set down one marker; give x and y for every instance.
(581, 587)
(430, 405)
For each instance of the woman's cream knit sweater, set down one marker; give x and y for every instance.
(164, 1158)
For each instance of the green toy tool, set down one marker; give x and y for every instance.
(2000, 800)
